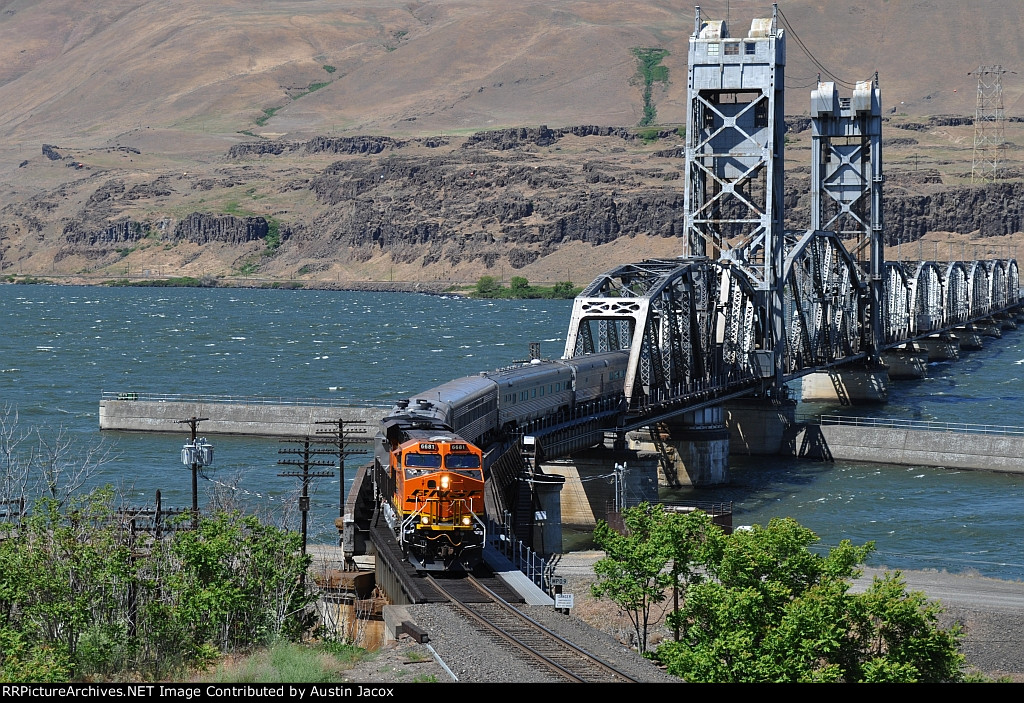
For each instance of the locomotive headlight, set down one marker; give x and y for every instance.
(466, 520)
(424, 519)
(445, 480)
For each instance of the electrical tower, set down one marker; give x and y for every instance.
(989, 120)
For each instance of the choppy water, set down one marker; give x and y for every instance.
(60, 347)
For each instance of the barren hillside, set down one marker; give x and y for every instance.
(143, 100)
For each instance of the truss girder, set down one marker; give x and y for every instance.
(999, 284)
(693, 323)
(958, 297)
(822, 303)
(981, 291)
(927, 298)
(896, 322)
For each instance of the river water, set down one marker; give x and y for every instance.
(61, 347)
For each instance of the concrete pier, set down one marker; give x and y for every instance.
(758, 426)
(695, 446)
(941, 347)
(585, 500)
(906, 363)
(989, 328)
(968, 338)
(261, 417)
(850, 386)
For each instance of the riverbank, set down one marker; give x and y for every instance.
(427, 287)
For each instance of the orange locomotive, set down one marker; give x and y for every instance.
(430, 487)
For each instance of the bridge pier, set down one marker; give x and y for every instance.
(941, 347)
(694, 447)
(968, 338)
(582, 501)
(850, 386)
(759, 425)
(906, 362)
(989, 328)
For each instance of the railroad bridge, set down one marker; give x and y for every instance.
(751, 306)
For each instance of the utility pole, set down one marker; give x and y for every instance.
(339, 435)
(196, 454)
(306, 475)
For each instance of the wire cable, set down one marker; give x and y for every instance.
(818, 64)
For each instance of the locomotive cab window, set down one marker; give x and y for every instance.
(421, 464)
(466, 464)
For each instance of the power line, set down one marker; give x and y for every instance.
(807, 52)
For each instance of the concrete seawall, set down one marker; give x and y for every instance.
(237, 418)
(912, 447)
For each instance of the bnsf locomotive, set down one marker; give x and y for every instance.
(430, 485)
(429, 470)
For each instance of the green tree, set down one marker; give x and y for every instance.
(631, 573)
(519, 287)
(563, 290)
(692, 541)
(487, 287)
(772, 611)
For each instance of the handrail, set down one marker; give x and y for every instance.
(238, 399)
(926, 425)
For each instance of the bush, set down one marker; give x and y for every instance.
(759, 606)
(487, 287)
(83, 596)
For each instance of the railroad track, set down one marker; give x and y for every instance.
(494, 616)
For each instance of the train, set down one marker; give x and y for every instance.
(429, 484)
(428, 475)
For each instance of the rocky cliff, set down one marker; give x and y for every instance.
(439, 207)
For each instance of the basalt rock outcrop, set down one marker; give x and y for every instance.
(204, 228)
(506, 197)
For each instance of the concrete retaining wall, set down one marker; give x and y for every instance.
(910, 447)
(262, 420)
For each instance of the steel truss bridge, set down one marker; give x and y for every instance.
(751, 306)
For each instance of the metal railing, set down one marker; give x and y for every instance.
(926, 425)
(239, 400)
(522, 557)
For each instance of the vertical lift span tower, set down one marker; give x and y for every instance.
(734, 159)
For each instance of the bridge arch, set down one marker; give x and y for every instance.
(958, 294)
(1000, 284)
(981, 289)
(896, 324)
(690, 325)
(926, 298)
(822, 303)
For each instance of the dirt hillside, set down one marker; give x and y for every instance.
(118, 119)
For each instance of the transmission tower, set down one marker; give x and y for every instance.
(989, 120)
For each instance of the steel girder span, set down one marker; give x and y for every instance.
(824, 304)
(691, 326)
(926, 297)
